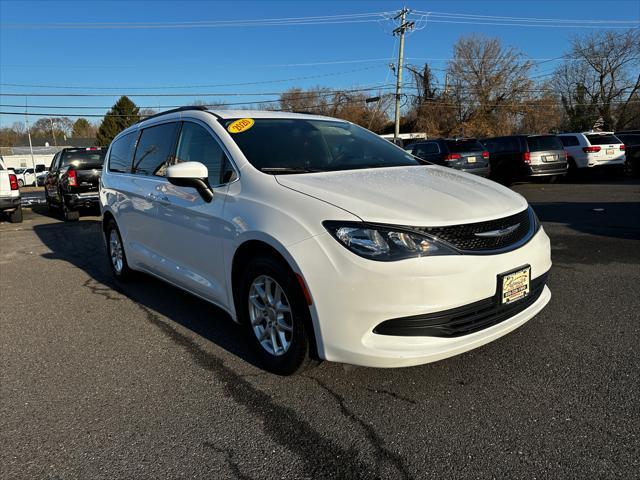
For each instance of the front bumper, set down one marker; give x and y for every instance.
(82, 200)
(352, 296)
(8, 203)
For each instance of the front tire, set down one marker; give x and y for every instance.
(115, 253)
(274, 312)
(20, 183)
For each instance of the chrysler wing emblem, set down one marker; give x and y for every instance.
(498, 233)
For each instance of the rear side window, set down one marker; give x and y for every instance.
(603, 139)
(540, 144)
(423, 149)
(460, 146)
(83, 157)
(196, 144)
(570, 141)
(120, 156)
(154, 149)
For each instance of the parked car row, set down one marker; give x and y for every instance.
(518, 157)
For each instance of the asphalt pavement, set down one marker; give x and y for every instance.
(101, 380)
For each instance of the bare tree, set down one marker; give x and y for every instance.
(601, 79)
(488, 83)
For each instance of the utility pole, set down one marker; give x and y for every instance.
(53, 132)
(33, 160)
(402, 28)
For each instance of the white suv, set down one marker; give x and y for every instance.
(591, 149)
(10, 193)
(321, 238)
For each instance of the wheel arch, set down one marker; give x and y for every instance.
(253, 248)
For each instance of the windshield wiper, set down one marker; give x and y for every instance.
(285, 170)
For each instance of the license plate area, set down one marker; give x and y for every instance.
(550, 158)
(514, 285)
(610, 151)
(471, 159)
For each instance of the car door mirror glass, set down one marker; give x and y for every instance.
(191, 174)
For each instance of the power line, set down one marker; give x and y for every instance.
(315, 20)
(185, 94)
(260, 82)
(527, 19)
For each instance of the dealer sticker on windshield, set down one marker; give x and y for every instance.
(240, 125)
(515, 285)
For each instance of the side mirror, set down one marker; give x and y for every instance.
(191, 174)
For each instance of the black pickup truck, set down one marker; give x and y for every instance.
(73, 180)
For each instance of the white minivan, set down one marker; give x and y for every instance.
(322, 239)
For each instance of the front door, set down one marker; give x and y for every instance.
(190, 230)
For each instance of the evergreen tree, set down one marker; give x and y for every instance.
(122, 115)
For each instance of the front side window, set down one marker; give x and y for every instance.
(196, 144)
(120, 156)
(155, 149)
(54, 162)
(278, 146)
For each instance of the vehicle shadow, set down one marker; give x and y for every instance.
(610, 219)
(81, 244)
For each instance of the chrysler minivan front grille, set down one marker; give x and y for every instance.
(487, 237)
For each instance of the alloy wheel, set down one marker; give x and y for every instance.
(270, 315)
(115, 251)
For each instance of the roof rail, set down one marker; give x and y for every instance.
(179, 109)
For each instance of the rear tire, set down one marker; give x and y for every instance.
(279, 315)
(16, 215)
(69, 215)
(115, 253)
(20, 183)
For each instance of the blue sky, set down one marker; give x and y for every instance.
(136, 60)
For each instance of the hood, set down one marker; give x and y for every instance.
(416, 196)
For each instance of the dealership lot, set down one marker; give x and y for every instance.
(142, 380)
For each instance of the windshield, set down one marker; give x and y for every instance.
(548, 142)
(467, 145)
(299, 146)
(84, 158)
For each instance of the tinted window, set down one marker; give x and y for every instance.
(54, 162)
(603, 139)
(539, 144)
(83, 157)
(155, 147)
(422, 149)
(196, 144)
(120, 156)
(469, 145)
(629, 139)
(505, 144)
(570, 141)
(297, 144)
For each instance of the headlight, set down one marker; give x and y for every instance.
(385, 243)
